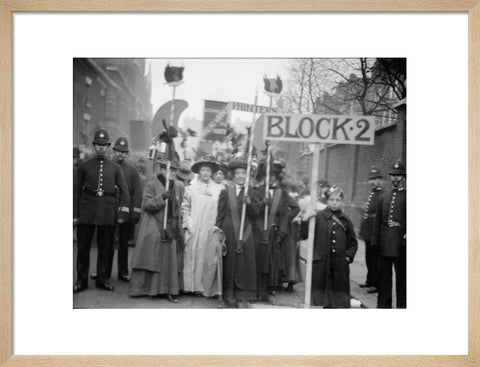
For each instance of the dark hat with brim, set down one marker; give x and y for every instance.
(184, 171)
(398, 168)
(222, 167)
(121, 144)
(101, 137)
(374, 173)
(276, 168)
(208, 161)
(237, 162)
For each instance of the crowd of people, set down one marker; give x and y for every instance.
(202, 228)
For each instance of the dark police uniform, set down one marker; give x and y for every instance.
(126, 229)
(366, 231)
(95, 207)
(389, 234)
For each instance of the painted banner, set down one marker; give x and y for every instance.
(358, 130)
(215, 120)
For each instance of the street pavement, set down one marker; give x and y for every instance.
(97, 298)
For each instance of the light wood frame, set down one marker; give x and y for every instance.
(8, 7)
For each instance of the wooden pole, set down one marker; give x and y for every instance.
(249, 167)
(267, 176)
(311, 225)
(169, 161)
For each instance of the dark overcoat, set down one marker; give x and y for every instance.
(391, 223)
(334, 248)
(135, 190)
(238, 269)
(368, 218)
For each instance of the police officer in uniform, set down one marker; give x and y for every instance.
(390, 235)
(366, 228)
(95, 207)
(126, 229)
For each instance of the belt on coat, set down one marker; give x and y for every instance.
(365, 216)
(95, 192)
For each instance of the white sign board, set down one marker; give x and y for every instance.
(359, 130)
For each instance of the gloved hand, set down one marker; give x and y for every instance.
(246, 200)
(135, 218)
(267, 201)
(166, 195)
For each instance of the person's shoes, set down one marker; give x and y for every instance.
(105, 286)
(224, 304)
(364, 285)
(78, 287)
(372, 290)
(93, 276)
(266, 299)
(172, 299)
(242, 304)
(288, 288)
(124, 278)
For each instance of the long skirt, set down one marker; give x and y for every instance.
(144, 282)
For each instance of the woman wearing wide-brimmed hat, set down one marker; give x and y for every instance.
(155, 264)
(239, 266)
(199, 211)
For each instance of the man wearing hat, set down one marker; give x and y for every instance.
(184, 172)
(375, 181)
(390, 235)
(126, 229)
(95, 207)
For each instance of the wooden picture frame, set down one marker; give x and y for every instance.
(8, 7)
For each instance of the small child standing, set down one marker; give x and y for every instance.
(334, 248)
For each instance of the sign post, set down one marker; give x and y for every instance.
(311, 225)
(336, 129)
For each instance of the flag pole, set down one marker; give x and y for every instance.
(169, 159)
(267, 175)
(249, 167)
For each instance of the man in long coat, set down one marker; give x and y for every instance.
(390, 235)
(95, 207)
(239, 265)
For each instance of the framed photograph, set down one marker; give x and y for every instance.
(227, 157)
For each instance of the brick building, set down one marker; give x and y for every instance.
(113, 94)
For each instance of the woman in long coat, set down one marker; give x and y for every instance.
(334, 248)
(199, 211)
(155, 264)
(239, 267)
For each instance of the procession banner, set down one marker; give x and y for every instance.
(215, 120)
(246, 107)
(342, 129)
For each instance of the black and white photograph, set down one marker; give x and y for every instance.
(208, 183)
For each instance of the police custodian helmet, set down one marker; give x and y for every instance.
(121, 144)
(398, 168)
(374, 173)
(101, 137)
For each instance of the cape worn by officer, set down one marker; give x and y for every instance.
(95, 207)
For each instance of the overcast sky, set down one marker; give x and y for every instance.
(215, 79)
